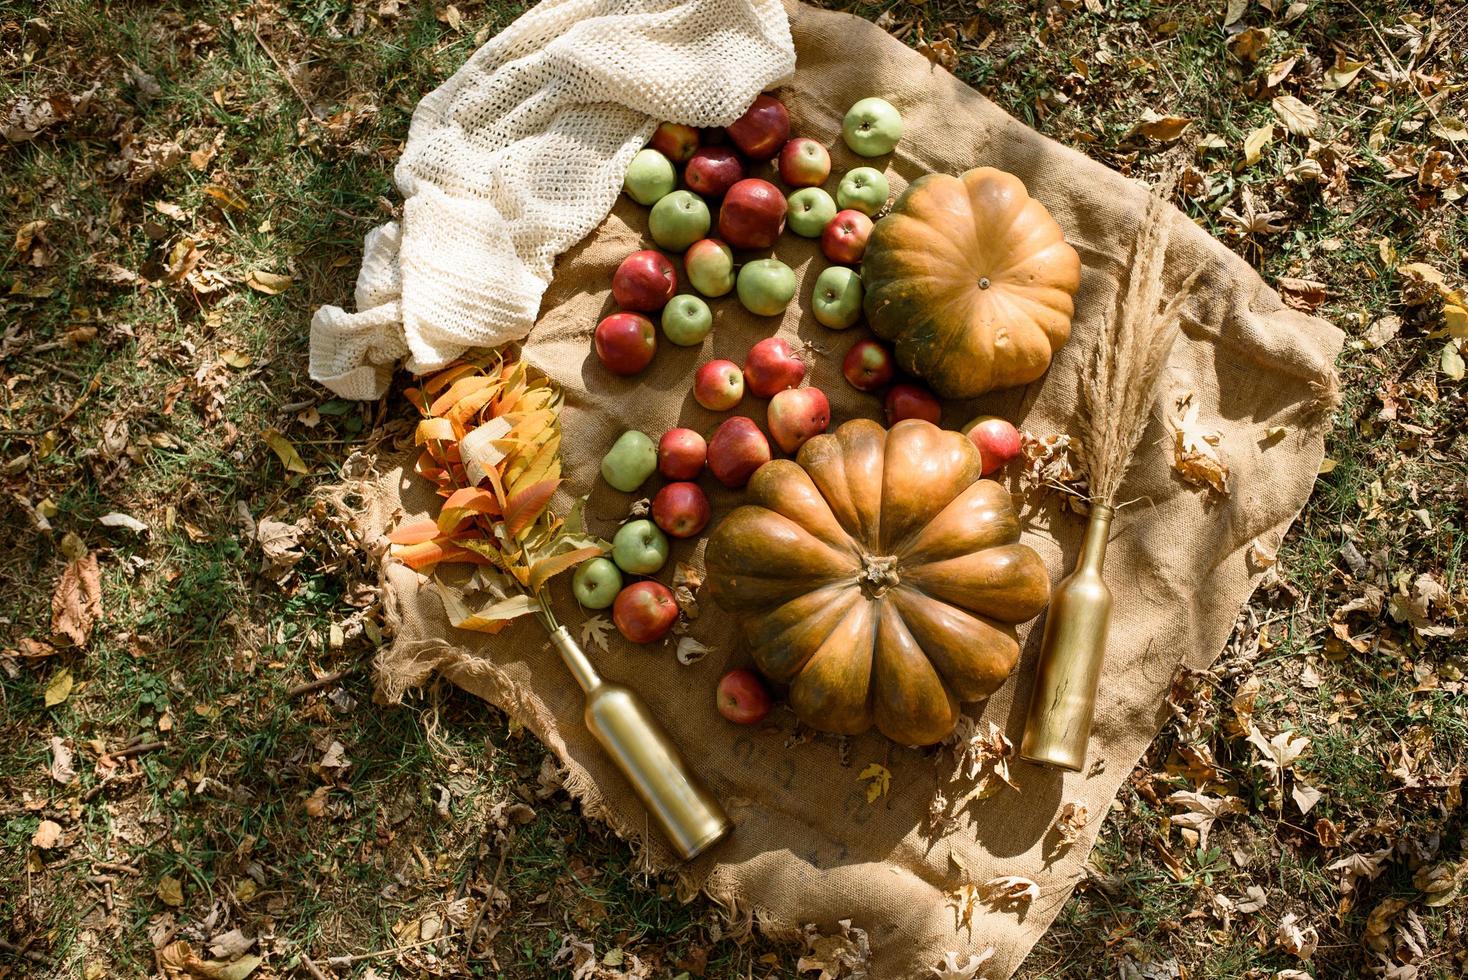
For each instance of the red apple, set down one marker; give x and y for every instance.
(644, 282)
(718, 386)
(625, 342)
(795, 415)
(681, 509)
(712, 170)
(804, 163)
(771, 366)
(909, 401)
(674, 141)
(998, 441)
(753, 214)
(868, 366)
(737, 449)
(845, 238)
(681, 454)
(762, 130)
(644, 611)
(742, 697)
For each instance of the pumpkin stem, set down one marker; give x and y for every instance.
(878, 574)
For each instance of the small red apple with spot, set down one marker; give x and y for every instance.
(712, 170)
(718, 386)
(681, 509)
(910, 401)
(742, 697)
(674, 141)
(681, 454)
(644, 611)
(644, 281)
(737, 449)
(845, 237)
(762, 130)
(625, 342)
(868, 366)
(804, 163)
(771, 366)
(797, 414)
(997, 440)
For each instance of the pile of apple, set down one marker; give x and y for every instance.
(752, 214)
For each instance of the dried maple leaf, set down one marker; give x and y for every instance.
(1201, 811)
(832, 956)
(1296, 940)
(1249, 219)
(77, 601)
(878, 779)
(1009, 890)
(1195, 449)
(1280, 752)
(594, 632)
(964, 901)
(981, 755)
(1070, 823)
(952, 969)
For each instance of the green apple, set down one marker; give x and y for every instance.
(632, 459)
(710, 267)
(596, 583)
(687, 320)
(872, 127)
(639, 547)
(863, 189)
(766, 286)
(650, 177)
(810, 211)
(678, 220)
(836, 301)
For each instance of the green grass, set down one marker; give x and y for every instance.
(199, 649)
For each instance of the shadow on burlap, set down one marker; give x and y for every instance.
(809, 847)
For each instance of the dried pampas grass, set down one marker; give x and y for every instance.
(1118, 393)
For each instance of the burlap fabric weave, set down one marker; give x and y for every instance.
(808, 847)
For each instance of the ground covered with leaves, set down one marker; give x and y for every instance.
(193, 778)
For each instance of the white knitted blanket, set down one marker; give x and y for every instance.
(519, 155)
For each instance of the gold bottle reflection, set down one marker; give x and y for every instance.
(688, 815)
(1074, 645)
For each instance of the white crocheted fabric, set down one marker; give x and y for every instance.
(519, 155)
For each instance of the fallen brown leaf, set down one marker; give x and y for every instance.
(76, 603)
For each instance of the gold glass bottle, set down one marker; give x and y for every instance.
(1074, 645)
(688, 815)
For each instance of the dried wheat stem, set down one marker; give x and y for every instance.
(1118, 392)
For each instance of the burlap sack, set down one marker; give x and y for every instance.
(808, 847)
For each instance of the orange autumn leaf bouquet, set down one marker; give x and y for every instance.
(491, 441)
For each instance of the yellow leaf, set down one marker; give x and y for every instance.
(47, 835)
(1326, 465)
(1451, 361)
(1298, 118)
(58, 689)
(1164, 129)
(1255, 142)
(170, 891)
(1455, 318)
(1449, 128)
(1195, 452)
(289, 458)
(235, 359)
(878, 779)
(226, 197)
(268, 283)
(1342, 73)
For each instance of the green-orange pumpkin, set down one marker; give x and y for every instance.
(879, 577)
(972, 280)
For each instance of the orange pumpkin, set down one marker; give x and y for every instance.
(972, 279)
(879, 577)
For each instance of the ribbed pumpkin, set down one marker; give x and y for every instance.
(878, 576)
(972, 279)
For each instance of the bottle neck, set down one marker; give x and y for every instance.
(575, 659)
(1098, 531)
